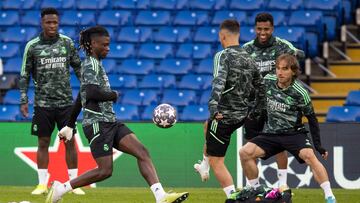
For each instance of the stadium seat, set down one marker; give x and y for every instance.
(109, 65)
(18, 4)
(136, 66)
(9, 18)
(8, 50)
(126, 112)
(343, 114)
(207, 82)
(279, 17)
(207, 4)
(247, 33)
(68, 31)
(31, 18)
(134, 34)
(140, 97)
(206, 34)
(195, 113)
(19, 34)
(205, 96)
(191, 18)
(148, 113)
(196, 51)
(311, 47)
(12, 97)
(130, 4)
(172, 34)
(330, 22)
(114, 18)
(295, 35)
(9, 112)
(154, 81)
(174, 66)
(76, 18)
(220, 16)
(153, 18)
(285, 5)
(58, 4)
(169, 5)
(246, 4)
(91, 5)
(13, 65)
(121, 50)
(327, 5)
(74, 81)
(179, 97)
(194, 82)
(122, 81)
(205, 66)
(155, 51)
(8, 81)
(353, 98)
(310, 19)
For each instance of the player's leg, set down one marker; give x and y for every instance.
(42, 126)
(282, 162)
(203, 167)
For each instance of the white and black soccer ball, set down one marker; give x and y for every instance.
(164, 116)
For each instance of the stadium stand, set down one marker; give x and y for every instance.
(195, 113)
(136, 66)
(126, 112)
(343, 114)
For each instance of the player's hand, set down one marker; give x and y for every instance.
(24, 108)
(322, 151)
(325, 155)
(66, 133)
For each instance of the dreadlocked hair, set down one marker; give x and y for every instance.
(87, 34)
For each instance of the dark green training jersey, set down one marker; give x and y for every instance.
(265, 55)
(286, 107)
(235, 77)
(93, 73)
(48, 61)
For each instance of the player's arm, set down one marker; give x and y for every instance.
(258, 83)
(75, 61)
(218, 83)
(95, 93)
(26, 68)
(66, 133)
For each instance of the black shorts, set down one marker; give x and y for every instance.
(104, 136)
(44, 119)
(253, 127)
(218, 137)
(274, 144)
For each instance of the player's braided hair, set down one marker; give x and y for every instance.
(87, 34)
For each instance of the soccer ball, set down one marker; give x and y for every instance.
(164, 116)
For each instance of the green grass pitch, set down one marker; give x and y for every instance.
(143, 195)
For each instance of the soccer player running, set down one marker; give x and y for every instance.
(235, 77)
(100, 126)
(287, 102)
(48, 58)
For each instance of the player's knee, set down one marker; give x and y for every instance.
(105, 173)
(244, 154)
(309, 157)
(144, 152)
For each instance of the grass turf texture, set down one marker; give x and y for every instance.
(144, 195)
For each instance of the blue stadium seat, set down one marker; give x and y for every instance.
(331, 27)
(169, 5)
(140, 97)
(8, 50)
(122, 81)
(205, 96)
(148, 113)
(31, 18)
(114, 18)
(136, 66)
(172, 34)
(279, 17)
(174, 66)
(311, 47)
(9, 112)
(76, 18)
(121, 50)
(191, 18)
(207, 4)
(195, 113)
(13, 65)
(194, 82)
(126, 112)
(135, 34)
(285, 5)
(207, 82)
(196, 51)
(74, 81)
(91, 5)
(109, 65)
(306, 18)
(154, 81)
(206, 34)
(327, 5)
(58, 4)
(353, 98)
(247, 4)
(153, 18)
(8, 81)
(69, 31)
(9, 18)
(205, 66)
(247, 33)
(179, 97)
(155, 51)
(19, 34)
(18, 4)
(295, 35)
(343, 114)
(220, 16)
(12, 97)
(130, 4)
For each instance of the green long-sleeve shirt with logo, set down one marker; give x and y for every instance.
(48, 62)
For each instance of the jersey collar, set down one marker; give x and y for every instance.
(49, 40)
(267, 44)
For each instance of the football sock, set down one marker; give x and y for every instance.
(282, 176)
(158, 191)
(205, 160)
(42, 175)
(228, 190)
(327, 189)
(63, 188)
(254, 183)
(72, 173)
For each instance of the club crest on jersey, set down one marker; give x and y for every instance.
(289, 100)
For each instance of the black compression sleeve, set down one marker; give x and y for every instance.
(315, 133)
(93, 92)
(76, 108)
